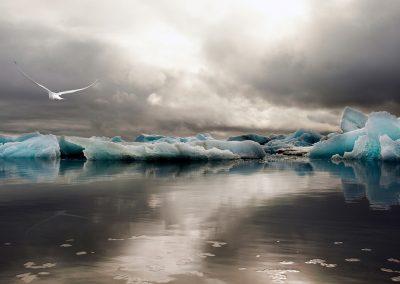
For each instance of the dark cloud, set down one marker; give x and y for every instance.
(345, 55)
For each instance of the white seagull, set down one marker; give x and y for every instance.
(53, 95)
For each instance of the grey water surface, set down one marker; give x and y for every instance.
(229, 222)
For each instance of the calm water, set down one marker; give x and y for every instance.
(232, 222)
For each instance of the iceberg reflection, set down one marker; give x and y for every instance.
(375, 181)
(378, 182)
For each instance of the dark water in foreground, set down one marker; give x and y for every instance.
(232, 222)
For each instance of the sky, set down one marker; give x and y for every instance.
(178, 67)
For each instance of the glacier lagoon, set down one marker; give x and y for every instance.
(234, 221)
(302, 207)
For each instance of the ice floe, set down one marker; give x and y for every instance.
(286, 262)
(206, 254)
(321, 262)
(366, 249)
(395, 279)
(216, 244)
(353, 259)
(395, 260)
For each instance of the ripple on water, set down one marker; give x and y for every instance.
(155, 268)
(26, 277)
(195, 273)
(184, 261)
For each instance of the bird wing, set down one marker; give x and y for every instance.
(76, 90)
(29, 78)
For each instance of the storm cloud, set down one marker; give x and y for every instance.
(174, 68)
(346, 54)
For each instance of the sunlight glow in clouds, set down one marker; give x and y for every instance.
(172, 46)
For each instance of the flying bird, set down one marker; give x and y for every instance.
(53, 95)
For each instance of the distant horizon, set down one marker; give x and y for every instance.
(218, 135)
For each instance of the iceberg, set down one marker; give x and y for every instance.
(199, 147)
(117, 139)
(252, 137)
(99, 149)
(23, 137)
(336, 145)
(363, 137)
(293, 143)
(352, 119)
(172, 139)
(365, 148)
(69, 149)
(390, 149)
(244, 149)
(376, 140)
(148, 138)
(31, 147)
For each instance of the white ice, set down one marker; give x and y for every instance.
(352, 119)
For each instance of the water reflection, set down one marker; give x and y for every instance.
(227, 222)
(377, 182)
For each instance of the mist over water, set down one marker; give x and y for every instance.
(282, 221)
